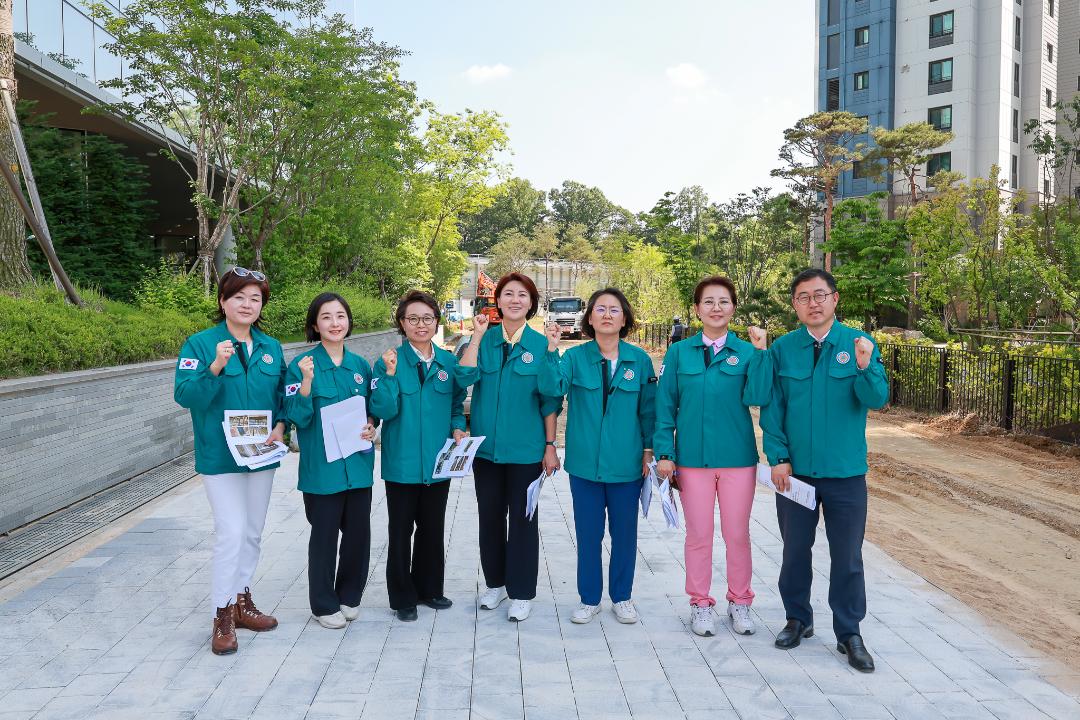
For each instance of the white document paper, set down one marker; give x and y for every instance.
(647, 489)
(246, 435)
(667, 501)
(455, 460)
(532, 494)
(801, 492)
(351, 416)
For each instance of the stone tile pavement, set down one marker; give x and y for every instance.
(123, 632)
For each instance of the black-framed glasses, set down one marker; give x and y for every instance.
(415, 320)
(818, 297)
(244, 272)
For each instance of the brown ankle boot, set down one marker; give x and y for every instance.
(223, 641)
(249, 617)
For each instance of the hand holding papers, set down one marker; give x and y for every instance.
(342, 424)
(247, 433)
(455, 459)
(646, 490)
(533, 494)
(667, 496)
(801, 492)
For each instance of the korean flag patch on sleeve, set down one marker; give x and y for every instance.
(189, 363)
(374, 383)
(291, 390)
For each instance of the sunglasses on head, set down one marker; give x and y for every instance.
(244, 272)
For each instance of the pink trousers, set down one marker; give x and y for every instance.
(701, 489)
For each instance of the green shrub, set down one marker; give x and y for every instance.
(168, 287)
(42, 333)
(283, 317)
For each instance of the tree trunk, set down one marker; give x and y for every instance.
(828, 226)
(207, 261)
(14, 265)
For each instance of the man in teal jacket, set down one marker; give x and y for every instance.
(827, 375)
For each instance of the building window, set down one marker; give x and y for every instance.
(939, 162)
(858, 170)
(1016, 125)
(1046, 187)
(832, 97)
(1014, 175)
(941, 71)
(1049, 98)
(940, 117)
(862, 36)
(832, 15)
(45, 24)
(941, 24)
(1016, 79)
(1016, 34)
(866, 123)
(832, 52)
(1051, 6)
(1049, 52)
(862, 80)
(1078, 83)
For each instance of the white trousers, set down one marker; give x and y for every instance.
(239, 502)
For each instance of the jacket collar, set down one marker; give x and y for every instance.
(324, 363)
(592, 349)
(806, 339)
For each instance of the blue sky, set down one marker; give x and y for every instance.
(635, 97)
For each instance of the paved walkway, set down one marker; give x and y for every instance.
(123, 632)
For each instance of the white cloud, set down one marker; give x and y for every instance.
(687, 76)
(479, 74)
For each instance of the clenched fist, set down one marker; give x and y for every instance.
(389, 359)
(554, 334)
(864, 348)
(480, 325)
(224, 350)
(307, 367)
(757, 336)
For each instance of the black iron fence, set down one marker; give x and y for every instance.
(655, 336)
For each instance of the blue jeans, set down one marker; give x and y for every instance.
(620, 500)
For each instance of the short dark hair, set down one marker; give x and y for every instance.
(529, 285)
(628, 312)
(715, 280)
(230, 284)
(416, 296)
(311, 324)
(810, 274)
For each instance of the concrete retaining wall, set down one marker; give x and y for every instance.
(67, 436)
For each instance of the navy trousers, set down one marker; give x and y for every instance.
(843, 501)
(620, 501)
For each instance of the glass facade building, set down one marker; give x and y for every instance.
(65, 28)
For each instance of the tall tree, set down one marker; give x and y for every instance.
(14, 265)
(517, 206)
(575, 202)
(816, 151)
(905, 150)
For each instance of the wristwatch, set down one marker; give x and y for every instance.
(664, 457)
(783, 461)
(551, 443)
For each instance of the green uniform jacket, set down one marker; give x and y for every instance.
(507, 405)
(418, 418)
(604, 446)
(817, 415)
(703, 410)
(331, 384)
(208, 396)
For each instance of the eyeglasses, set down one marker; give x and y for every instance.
(244, 272)
(710, 304)
(819, 297)
(612, 311)
(416, 320)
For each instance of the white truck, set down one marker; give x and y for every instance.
(568, 312)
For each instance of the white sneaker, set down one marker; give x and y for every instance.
(491, 598)
(584, 613)
(625, 612)
(335, 621)
(701, 620)
(741, 620)
(350, 613)
(519, 610)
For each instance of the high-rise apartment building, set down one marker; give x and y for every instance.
(979, 68)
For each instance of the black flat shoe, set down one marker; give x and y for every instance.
(858, 656)
(792, 634)
(438, 603)
(406, 614)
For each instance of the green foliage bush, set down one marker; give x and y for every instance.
(283, 317)
(168, 287)
(41, 333)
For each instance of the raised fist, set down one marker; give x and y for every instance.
(554, 334)
(480, 325)
(389, 358)
(864, 348)
(757, 336)
(307, 367)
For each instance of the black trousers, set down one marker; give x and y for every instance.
(347, 514)
(509, 543)
(843, 502)
(415, 563)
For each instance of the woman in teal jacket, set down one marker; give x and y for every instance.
(419, 391)
(518, 420)
(337, 494)
(233, 366)
(707, 384)
(611, 391)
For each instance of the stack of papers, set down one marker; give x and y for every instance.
(247, 433)
(801, 492)
(342, 424)
(454, 460)
(667, 497)
(532, 494)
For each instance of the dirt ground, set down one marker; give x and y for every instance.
(993, 520)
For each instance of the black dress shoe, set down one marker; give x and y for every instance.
(857, 655)
(438, 603)
(792, 634)
(406, 614)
